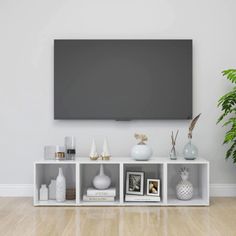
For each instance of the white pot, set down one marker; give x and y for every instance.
(60, 187)
(101, 181)
(141, 152)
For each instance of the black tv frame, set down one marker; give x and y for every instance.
(56, 117)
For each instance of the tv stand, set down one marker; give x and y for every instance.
(79, 175)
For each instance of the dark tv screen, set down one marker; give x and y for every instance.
(122, 79)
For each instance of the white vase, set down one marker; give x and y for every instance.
(101, 181)
(60, 187)
(52, 189)
(43, 193)
(141, 152)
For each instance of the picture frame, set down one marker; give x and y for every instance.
(153, 187)
(134, 183)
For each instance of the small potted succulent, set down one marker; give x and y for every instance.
(141, 151)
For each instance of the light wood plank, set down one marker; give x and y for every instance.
(19, 217)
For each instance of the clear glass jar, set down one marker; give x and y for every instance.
(70, 146)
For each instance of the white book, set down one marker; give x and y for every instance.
(98, 199)
(139, 198)
(92, 192)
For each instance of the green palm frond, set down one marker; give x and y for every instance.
(230, 74)
(227, 103)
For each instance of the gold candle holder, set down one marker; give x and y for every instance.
(60, 156)
(105, 158)
(94, 158)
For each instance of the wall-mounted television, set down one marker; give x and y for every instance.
(122, 79)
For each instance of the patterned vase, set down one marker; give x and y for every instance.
(184, 189)
(60, 187)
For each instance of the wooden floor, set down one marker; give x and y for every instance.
(19, 217)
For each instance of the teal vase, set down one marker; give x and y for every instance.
(190, 151)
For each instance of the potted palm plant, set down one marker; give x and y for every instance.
(227, 103)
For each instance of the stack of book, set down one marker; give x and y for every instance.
(96, 195)
(141, 198)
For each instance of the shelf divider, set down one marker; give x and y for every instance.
(77, 183)
(121, 183)
(165, 185)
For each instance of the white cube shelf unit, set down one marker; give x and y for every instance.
(79, 175)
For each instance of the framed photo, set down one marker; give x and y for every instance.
(153, 187)
(134, 183)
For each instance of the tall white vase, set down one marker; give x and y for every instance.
(101, 181)
(60, 187)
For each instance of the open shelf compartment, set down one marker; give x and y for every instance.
(89, 171)
(198, 176)
(151, 171)
(45, 172)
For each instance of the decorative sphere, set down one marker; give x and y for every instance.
(141, 152)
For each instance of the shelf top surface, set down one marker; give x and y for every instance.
(126, 160)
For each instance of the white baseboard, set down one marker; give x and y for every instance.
(26, 190)
(223, 190)
(16, 190)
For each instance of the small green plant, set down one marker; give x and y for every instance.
(227, 103)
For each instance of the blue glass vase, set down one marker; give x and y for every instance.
(190, 151)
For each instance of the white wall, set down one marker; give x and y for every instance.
(27, 30)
